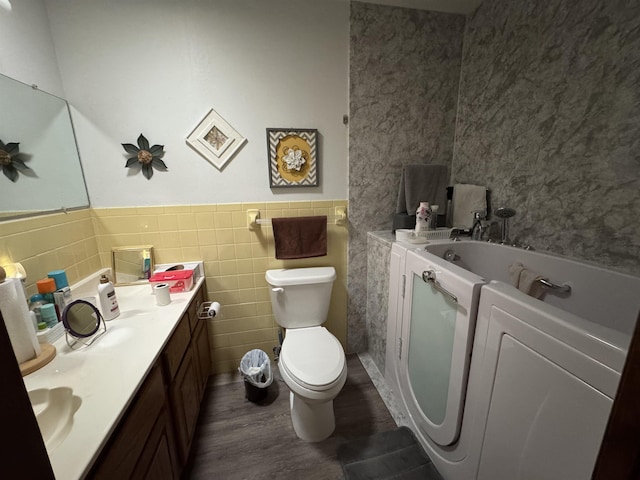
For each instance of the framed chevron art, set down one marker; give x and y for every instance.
(293, 157)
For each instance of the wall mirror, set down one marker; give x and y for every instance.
(41, 124)
(132, 265)
(83, 323)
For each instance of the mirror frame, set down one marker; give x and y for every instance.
(80, 340)
(132, 248)
(9, 216)
(74, 332)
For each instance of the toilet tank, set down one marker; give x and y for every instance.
(300, 297)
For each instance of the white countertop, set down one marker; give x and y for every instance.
(107, 374)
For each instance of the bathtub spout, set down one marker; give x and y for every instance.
(480, 225)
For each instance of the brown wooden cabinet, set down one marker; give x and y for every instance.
(128, 444)
(153, 439)
(187, 365)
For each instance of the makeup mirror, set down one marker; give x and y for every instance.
(132, 265)
(83, 322)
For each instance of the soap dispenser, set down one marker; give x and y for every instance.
(108, 300)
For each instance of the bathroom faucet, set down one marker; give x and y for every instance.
(479, 224)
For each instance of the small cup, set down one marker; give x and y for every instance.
(163, 297)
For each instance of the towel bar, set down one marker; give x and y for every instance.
(554, 286)
(429, 276)
(253, 218)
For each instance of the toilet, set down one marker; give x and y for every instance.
(312, 362)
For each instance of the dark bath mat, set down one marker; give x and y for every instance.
(391, 455)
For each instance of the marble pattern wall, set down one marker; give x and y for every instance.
(378, 257)
(549, 119)
(404, 74)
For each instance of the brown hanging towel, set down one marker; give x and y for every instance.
(300, 237)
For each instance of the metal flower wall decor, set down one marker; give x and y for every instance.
(10, 160)
(145, 157)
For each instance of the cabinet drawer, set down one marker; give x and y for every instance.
(121, 455)
(176, 347)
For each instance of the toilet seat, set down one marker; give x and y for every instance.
(313, 357)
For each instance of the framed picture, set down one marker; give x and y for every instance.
(216, 140)
(293, 157)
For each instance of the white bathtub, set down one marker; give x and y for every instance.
(535, 378)
(598, 295)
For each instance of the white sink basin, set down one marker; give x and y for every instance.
(54, 409)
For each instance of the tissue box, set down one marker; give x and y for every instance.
(196, 267)
(178, 280)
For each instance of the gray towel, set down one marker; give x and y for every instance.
(422, 183)
(466, 200)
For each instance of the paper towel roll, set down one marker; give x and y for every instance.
(13, 306)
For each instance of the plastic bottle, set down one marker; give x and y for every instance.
(146, 264)
(42, 332)
(36, 301)
(434, 217)
(108, 300)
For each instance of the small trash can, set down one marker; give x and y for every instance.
(255, 368)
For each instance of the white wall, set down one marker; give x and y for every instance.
(26, 48)
(157, 66)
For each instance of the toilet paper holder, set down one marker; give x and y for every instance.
(209, 310)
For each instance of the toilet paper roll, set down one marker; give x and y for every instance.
(13, 306)
(163, 297)
(214, 309)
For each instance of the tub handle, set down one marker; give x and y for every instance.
(429, 276)
(554, 286)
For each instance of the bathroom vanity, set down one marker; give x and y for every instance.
(137, 390)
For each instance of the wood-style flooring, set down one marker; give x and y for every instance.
(237, 439)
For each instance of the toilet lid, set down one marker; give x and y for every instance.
(313, 356)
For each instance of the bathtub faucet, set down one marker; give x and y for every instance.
(480, 226)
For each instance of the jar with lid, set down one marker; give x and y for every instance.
(46, 287)
(48, 313)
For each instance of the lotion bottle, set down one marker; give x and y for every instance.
(108, 300)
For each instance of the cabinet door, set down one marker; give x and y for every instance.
(194, 307)
(203, 354)
(126, 446)
(159, 459)
(174, 351)
(185, 404)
